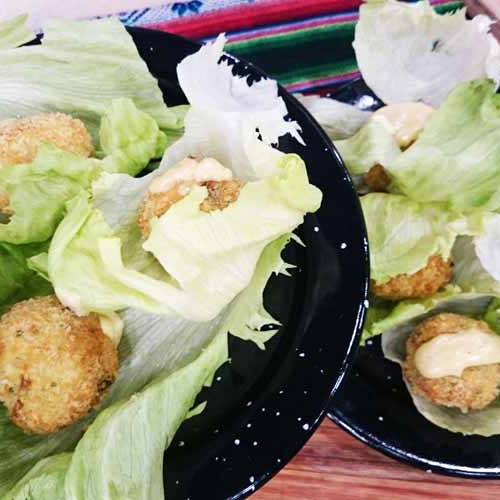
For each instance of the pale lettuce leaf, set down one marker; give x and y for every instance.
(374, 144)
(15, 32)
(209, 257)
(152, 346)
(456, 158)
(38, 191)
(407, 52)
(338, 119)
(484, 422)
(470, 283)
(45, 481)
(403, 234)
(121, 454)
(227, 116)
(78, 69)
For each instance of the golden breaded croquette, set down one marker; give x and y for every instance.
(20, 138)
(176, 183)
(377, 179)
(54, 366)
(475, 389)
(220, 195)
(4, 203)
(424, 283)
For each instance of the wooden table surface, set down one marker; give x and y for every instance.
(334, 465)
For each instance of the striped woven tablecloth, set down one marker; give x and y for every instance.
(305, 44)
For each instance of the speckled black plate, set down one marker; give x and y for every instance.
(265, 404)
(374, 405)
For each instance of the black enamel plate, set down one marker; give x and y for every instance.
(374, 405)
(264, 406)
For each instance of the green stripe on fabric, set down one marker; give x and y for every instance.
(309, 53)
(448, 7)
(316, 33)
(291, 57)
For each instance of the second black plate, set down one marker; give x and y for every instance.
(374, 405)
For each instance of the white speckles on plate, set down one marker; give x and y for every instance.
(316, 229)
(301, 355)
(343, 246)
(305, 427)
(237, 442)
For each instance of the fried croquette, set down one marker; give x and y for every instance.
(19, 139)
(475, 389)
(176, 184)
(377, 179)
(54, 366)
(424, 283)
(5, 210)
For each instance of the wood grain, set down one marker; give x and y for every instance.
(334, 465)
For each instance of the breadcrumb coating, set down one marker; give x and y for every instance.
(424, 283)
(54, 366)
(475, 389)
(220, 195)
(20, 138)
(377, 179)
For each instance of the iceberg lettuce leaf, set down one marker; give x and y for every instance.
(456, 158)
(78, 69)
(15, 32)
(407, 52)
(45, 481)
(338, 119)
(403, 234)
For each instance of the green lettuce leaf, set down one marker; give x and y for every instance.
(338, 119)
(152, 346)
(14, 32)
(209, 257)
(121, 454)
(38, 190)
(129, 138)
(45, 481)
(407, 52)
(470, 282)
(372, 145)
(403, 234)
(78, 69)
(484, 422)
(456, 158)
(17, 280)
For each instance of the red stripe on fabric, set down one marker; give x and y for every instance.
(296, 87)
(247, 16)
(276, 30)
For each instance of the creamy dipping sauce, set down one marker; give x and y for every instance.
(190, 171)
(405, 120)
(112, 327)
(451, 353)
